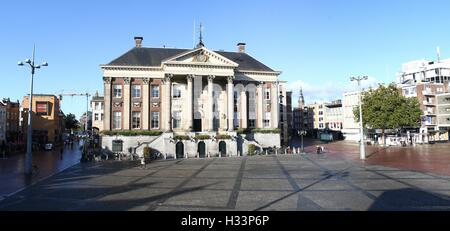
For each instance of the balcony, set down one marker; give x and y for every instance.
(428, 92)
(429, 113)
(428, 102)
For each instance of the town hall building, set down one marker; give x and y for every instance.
(205, 103)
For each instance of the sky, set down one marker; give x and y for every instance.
(316, 44)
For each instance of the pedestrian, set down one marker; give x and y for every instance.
(143, 165)
(318, 149)
(61, 153)
(3, 149)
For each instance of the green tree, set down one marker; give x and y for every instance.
(385, 108)
(71, 122)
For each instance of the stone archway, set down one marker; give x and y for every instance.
(223, 149)
(201, 149)
(179, 150)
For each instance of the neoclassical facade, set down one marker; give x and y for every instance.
(191, 91)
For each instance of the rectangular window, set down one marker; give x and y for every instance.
(136, 120)
(41, 108)
(155, 120)
(96, 116)
(136, 91)
(235, 103)
(267, 93)
(251, 123)
(176, 119)
(155, 91)
(117, 120)
(117, 91)
(101, 117)
(176, 91)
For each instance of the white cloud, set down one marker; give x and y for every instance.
(327, 91)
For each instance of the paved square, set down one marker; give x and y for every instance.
(283, 182)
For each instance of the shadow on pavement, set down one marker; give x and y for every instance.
(409, 199)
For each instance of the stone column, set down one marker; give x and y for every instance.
(274, 105)
(230, 108)
(189, 118)
(145, 103)
(259, 105)
(168, 102)
(210, 112)
(107, 103)
(126, 103)
(243, 109)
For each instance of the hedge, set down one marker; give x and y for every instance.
(131, 133)
(223, 137)
(202, 137)
(181, 137)
(259, 130)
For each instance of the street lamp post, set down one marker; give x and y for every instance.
(29, 155)
(362, 151)
(301, 134)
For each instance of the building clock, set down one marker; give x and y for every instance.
(201, 57)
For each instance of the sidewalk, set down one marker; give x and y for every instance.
(12, 176)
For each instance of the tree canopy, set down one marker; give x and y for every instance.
(386, 108)
(71, 122)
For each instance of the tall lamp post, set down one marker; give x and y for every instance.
(302, 133)
(362, 151)
(28, 157)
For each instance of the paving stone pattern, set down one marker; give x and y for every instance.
(284, 182)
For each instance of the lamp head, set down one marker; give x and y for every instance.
(28, 61)
(365, 77)
(20, 63)
(44, 64)
(352, 78)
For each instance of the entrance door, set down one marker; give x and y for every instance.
(223, 148)
(197, 125)
(201, 149)
(179, 150)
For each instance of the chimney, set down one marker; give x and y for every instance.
(138, 41)
(241, 47)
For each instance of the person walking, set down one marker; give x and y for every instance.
(3, 149)
(61, 153)
(143, 165)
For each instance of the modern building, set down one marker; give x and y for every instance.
(2, 122)
(97, 107)
(12, 120)
(47, 118)
(192, 93)
(334, 115)
(426, 93)
(443, 115)
(350, 128)
(424, 71)
(319, 114)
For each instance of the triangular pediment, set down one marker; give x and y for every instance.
(200, 56)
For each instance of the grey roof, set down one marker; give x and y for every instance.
(154, 57)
